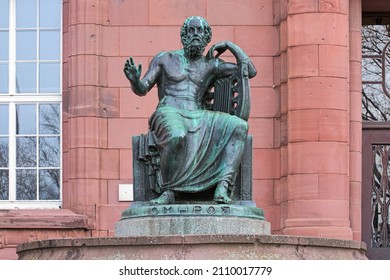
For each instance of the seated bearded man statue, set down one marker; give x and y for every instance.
(199, 149)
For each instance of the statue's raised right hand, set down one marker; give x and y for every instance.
(132, 72)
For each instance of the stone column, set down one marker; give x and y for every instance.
(355, 92)
(88, 103)
(317, 125)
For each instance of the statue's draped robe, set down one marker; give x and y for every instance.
(211, 151)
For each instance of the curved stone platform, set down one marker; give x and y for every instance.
(194, 247)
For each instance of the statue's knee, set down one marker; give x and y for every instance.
(241, 129)
(178, 140)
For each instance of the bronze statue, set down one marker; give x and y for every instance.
(198, 149)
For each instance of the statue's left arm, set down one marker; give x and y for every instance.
(241, 57)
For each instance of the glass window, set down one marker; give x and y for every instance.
(4, 13)
(26, 152)
(26, 119)
(49, 186)
(49, 14)
(49, 78)
(48, 50)
(4, 119)
(26, 77)
(4, 45)
(3, 78)
(4, 152)
(49, 151)
(26, 13)
(38, 151)
(49, 119)
(26, 184)
(26, 45)
(4, 160)
(30, 103)
(376, 69)
(4, 185)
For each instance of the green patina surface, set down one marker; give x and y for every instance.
(194, 210)
(191, 149)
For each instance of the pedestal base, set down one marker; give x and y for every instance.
(194, 247)
(179, 225)
(179, 219)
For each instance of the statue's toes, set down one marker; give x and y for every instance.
(167, 197)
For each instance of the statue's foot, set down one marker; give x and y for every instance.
(167, 197)
(221, 193)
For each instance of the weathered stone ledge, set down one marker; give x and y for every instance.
(42, 219)
(213, 247)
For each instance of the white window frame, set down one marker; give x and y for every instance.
(12, 99)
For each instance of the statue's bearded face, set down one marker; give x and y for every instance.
(195, 39)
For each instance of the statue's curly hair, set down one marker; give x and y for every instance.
(207, 28)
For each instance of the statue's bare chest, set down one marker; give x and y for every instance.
(179, 69)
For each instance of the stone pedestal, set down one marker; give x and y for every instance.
(193, 232)
(161, 226)
(199, 219)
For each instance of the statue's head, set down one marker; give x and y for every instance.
(195, 35)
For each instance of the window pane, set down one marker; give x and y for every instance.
(49, 45)
(26, 184)
(387, 69)
(371, 69)
(374, 39)
(26, 119)
(49, 119)
(4, 119)
(26, 78)
(3, 151)
(49, 184)
(4, 185)
(4, 13)
(50, 13)
(3, 45)
(49, 77)
(49, 151)
(375, 72)
(26, 45)
(375, 105)
(26, 152)
(26, 13)
(3, 78)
